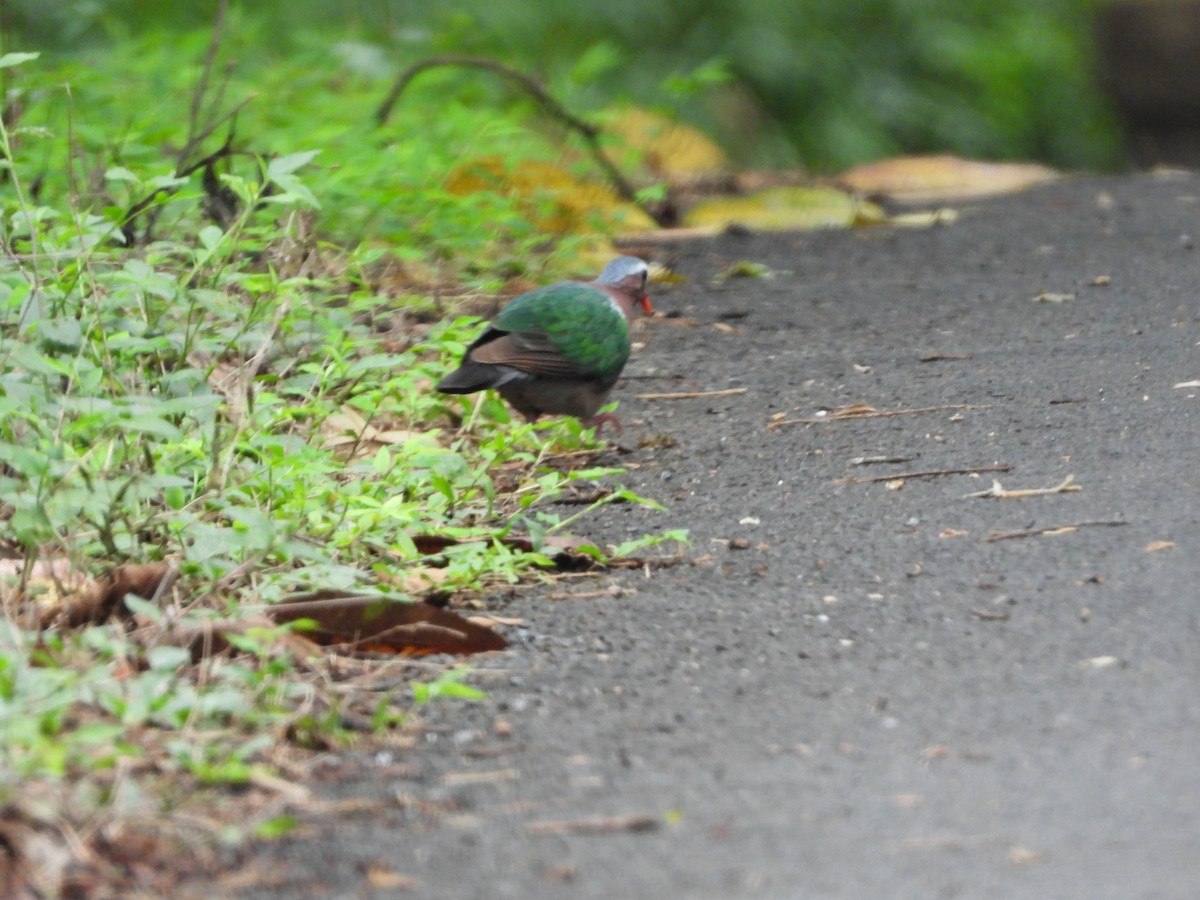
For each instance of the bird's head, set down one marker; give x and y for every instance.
(629, 275)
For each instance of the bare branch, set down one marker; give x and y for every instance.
(590, 132)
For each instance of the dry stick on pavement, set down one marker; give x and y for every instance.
(596, 826)
(690, 395)
(932, 473)
(1052, 530)
(868, 413)
(990, 616)
(1066, 486)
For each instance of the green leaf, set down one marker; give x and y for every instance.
(140, 606)
(286, 165)
(8, 60)
(210, 237)
(146, 424)
(276, 827)
(61, 335)
(165, 658)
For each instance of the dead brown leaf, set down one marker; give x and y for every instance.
(58, 593)
(377, 624)
(923, 179)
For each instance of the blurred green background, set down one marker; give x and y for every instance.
(822, 84)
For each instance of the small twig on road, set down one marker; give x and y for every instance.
(1066, 486)
(990, 616)
(932, 473)
(596, 826)
(866, 412)
(1055, 529)
(690, 395)
(878, 460)
(592, 595)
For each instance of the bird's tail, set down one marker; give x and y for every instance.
(470, 378)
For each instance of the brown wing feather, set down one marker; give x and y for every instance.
(531, 353)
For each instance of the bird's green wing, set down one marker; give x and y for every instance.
(580, 322)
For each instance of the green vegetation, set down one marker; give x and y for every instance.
(823, 83)
(218, 337)
(226, 292)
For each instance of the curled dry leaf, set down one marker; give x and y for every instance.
(1155, 546)
(379, 624)
(785, 208)
(58, 593)
(922, 179)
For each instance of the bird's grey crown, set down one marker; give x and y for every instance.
(622, 267)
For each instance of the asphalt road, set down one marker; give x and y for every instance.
(873, 697)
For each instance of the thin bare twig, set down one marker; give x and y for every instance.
(596, 826)
(989, 616)
(210, 59)
(690, 395)
(202, 124)
(1066, 486)
(590, 132)
(1052, 530)
(878, 460)
(931, 473)
(592, 595)
(868, 413)
(138, 208)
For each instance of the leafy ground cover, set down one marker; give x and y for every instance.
(222, 305)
